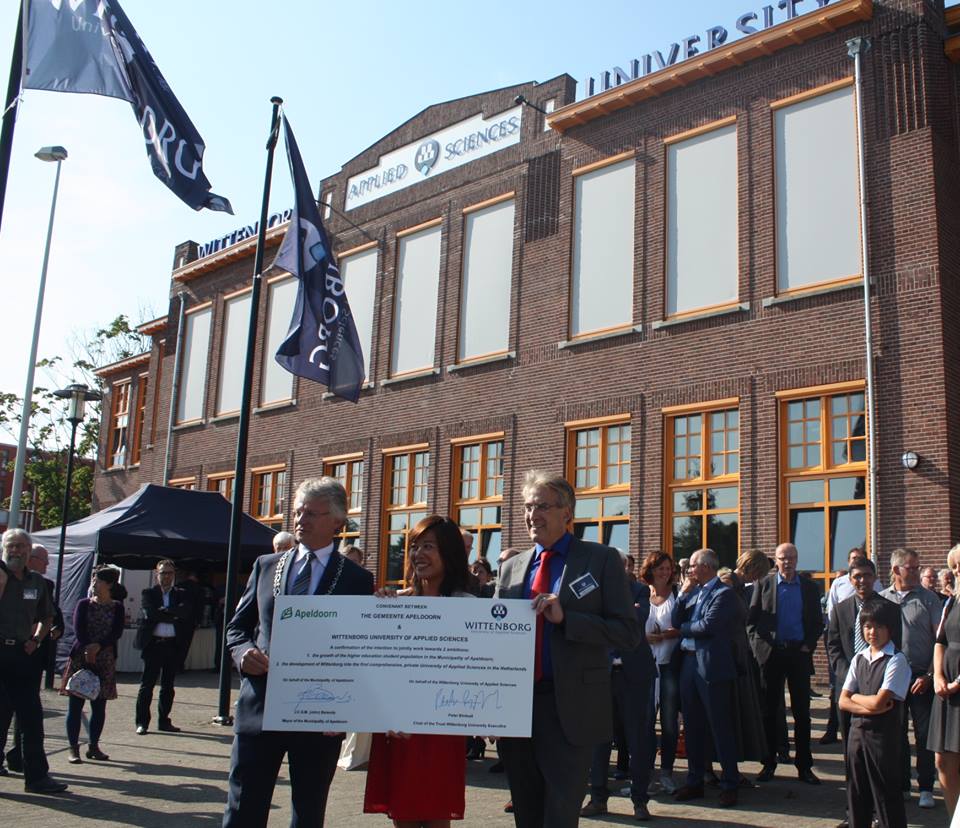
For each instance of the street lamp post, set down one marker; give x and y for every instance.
(57, 154)
(77, 395)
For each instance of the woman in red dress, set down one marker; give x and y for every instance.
(399, 763)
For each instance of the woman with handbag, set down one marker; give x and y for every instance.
(98, 625)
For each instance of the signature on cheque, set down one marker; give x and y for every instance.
(467, 699)
(320, 694)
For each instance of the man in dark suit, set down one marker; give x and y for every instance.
(632, 678)
(844, 637)
(313, 567)
(784, 624)
(704, 614)
(162, 633)
(579, 592)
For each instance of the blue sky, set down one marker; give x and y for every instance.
(349, 74)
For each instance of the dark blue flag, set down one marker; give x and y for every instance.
(322, 344)
(91, 46)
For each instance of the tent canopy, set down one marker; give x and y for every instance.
(189, 527)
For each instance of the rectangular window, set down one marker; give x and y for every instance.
(327, 204)
(236, 321)
(222, 483)
(277, 382)
(702, 224)
(548, 107)
(359, 272)
(156, 393)
(349, 471)
(598, 466)
(603, 233)
(193, 371)
(818, 190)
(407, 484)
(188, 483)
(268, 495)
(487, 271)
(415, 313)
(823, 471)
(478, 494)
(119, 423)
(139, 412)
(703, 474)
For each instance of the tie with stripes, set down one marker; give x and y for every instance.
(858, 641)
(301, 584)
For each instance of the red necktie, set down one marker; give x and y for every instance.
(541, 583)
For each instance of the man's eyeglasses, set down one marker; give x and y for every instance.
(539, 508)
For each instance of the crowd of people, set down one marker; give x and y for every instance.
(664, 658)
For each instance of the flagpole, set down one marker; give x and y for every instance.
(9, 110)
(223, 716)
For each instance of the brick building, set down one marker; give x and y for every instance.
(657, 289)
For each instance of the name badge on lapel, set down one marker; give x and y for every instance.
(584, 585)
(30, 594)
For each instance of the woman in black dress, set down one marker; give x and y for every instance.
(943, 736)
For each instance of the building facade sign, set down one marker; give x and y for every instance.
(445, 150)
(746, 24)
(241, 233)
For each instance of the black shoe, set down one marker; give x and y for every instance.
(4, 771)
(783, 757)
(141, 730)
(168, 727)
(688, 792)
(94, 752)
(15, 763)
(594, 808)
(641, 812)
(711, 779)
(766, 774)
(45, 785)
(829, 739)
(808, 776)
(728, 799)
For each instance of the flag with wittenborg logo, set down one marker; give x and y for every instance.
(91, 46)
(322, 342)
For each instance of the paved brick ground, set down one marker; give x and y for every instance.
(179, 781)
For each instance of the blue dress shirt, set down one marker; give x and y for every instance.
(789, 609)
(558, 562)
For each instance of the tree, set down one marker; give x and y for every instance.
(49, 435)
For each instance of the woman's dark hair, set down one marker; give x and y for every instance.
(879, 612)
(107, 574)
(650, 563)
(453, 553)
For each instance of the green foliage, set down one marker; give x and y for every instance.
(49, 435)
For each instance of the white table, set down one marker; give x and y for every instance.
(200, 657)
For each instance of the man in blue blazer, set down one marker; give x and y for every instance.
(705, 613)
(313, 567)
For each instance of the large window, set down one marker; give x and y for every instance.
(702, 220)
(277, 382)
(407, 487)
(359, 271)
(233, 353)
(193, 370)
(139, 411)
(268, 495)
(186, 483)
(478, 493)
(603, 232)
(823, 470)
(703, 474)
(598, 466)
(222, 483)
(487, 269)
(349, 471)
(119, 424)
(415, 310)
(818, 189)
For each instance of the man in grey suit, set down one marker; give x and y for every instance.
(580, 593)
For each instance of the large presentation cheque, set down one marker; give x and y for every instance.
(416, 665)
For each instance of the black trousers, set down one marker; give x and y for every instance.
(15, 754)
(790, 666)
(918, 708)
(161, 659)
(874, 773)
(19, 686)
(546, 772)
(254, 765)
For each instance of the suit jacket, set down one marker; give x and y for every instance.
(840, 637)
(252, 624)
(153, 612)
(580, 647)
(639, 665)
(712, 632)
(762, 617)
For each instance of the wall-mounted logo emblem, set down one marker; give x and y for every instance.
(427, 154)
(498, 611)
